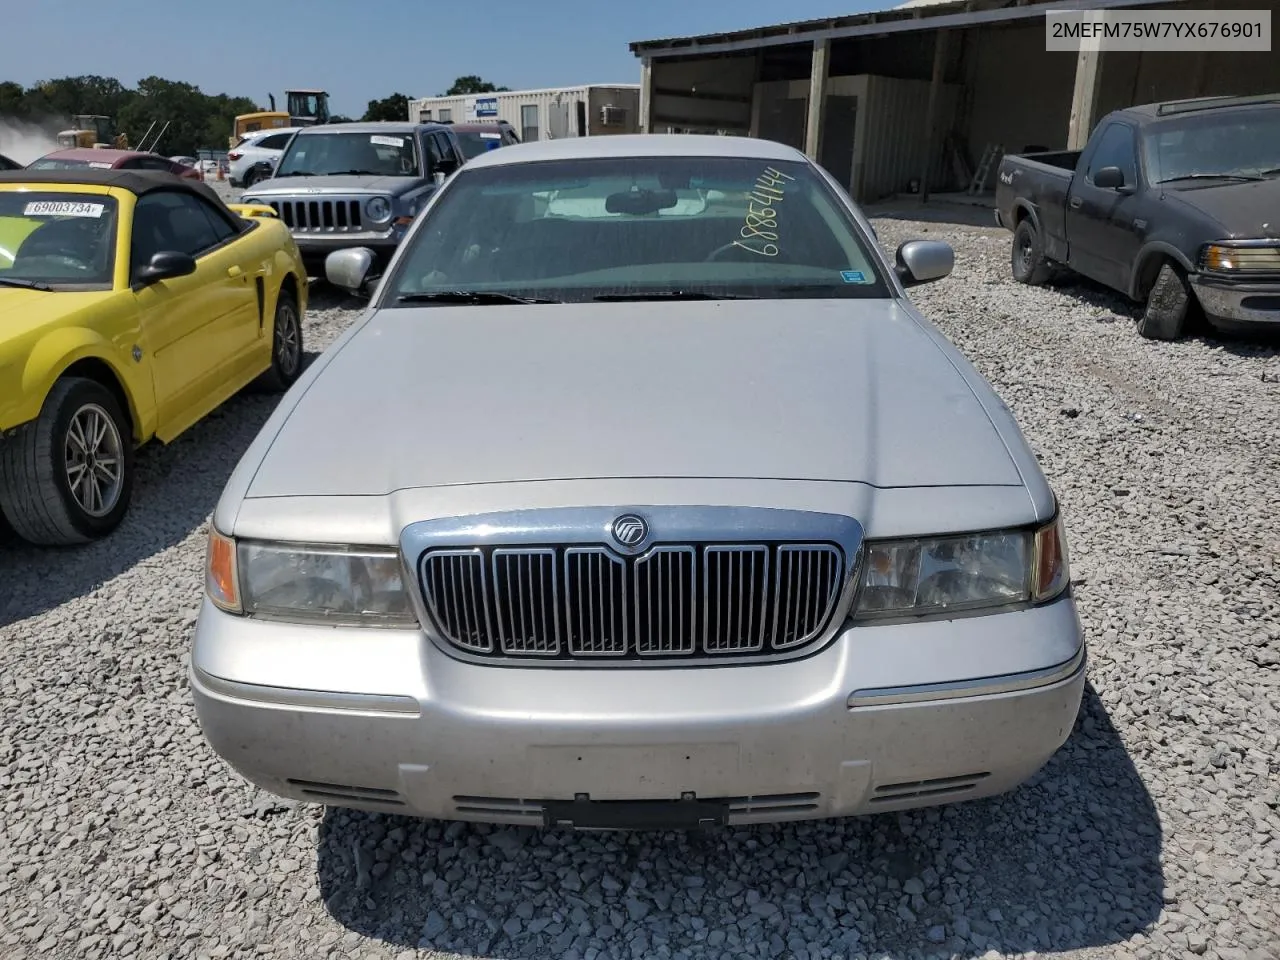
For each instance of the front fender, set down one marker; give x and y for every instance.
(53, 354)
(1151, 252)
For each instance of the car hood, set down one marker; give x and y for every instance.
(840, 390)
(296, 186)
(1243, 210)
(23, 312)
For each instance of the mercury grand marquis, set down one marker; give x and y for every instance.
(641, 496)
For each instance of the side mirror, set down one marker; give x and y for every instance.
(349, 269)
(923, 261)
(1109, 178)
(439, 178)
(165, 265)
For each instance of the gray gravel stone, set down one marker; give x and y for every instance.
(1154, 832)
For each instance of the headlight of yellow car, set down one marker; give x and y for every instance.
(940, 576)
(1240, 258)
(307, 583)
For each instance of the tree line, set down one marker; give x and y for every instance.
(197, 120)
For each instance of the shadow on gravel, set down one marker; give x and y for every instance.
(1249, 341)
(1070, 860)
(177, 488)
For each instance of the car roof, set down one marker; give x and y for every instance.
(91, 154)
(639, 145)
(1196, 105)
(371, 126)
(270, 131)
(137, 182)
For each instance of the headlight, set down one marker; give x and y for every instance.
(304, 582)
(378, 209)
(941, 575)
(1236, 258)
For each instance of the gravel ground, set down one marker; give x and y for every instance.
(1154, 832)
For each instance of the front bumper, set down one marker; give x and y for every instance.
(884, 718)
(1237, 301)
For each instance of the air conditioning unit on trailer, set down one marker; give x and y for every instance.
(611, 116)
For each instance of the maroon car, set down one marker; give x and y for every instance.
(103, 159)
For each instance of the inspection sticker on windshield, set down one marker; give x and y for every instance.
(490, 136)
(63, 208)
(387, 141)
(99, 165)
(854, 276)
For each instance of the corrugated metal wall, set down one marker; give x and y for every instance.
(891, 142)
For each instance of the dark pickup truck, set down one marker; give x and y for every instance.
(1176, 205)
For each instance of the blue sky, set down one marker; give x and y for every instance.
(361, 51)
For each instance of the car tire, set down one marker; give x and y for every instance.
(286, 345)
(57, 482)
(1026, 258)
(1168, 305)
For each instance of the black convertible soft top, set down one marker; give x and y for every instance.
(138, 182)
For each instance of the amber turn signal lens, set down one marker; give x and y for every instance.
(1051, 567)
(220, 572)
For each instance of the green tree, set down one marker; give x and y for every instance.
(471, 84)
(394, 107)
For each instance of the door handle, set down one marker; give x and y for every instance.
(233, 271)
(1075, 203)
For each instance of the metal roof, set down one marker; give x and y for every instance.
(914, 15)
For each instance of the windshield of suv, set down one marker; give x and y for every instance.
(51, 240)
(476, 142)
(637, 228)
(1232, 143)
(68, 163)
(369, 154)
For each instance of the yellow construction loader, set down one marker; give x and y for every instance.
(92, 130)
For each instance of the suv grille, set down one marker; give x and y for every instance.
(675, 600)
(319, 216)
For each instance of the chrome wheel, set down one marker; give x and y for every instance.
(94, 460)
(288, 338)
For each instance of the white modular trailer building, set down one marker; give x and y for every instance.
(549, 114)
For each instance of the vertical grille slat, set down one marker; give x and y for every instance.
(584, 602)
(525, 601)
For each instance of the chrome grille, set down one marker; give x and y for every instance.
(673, 601)
(319, 216)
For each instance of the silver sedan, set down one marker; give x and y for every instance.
(641, 496)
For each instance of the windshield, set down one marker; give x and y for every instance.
(638, 228)
(476, 142)
(1241, 143)
(371, 154)
(56, 239)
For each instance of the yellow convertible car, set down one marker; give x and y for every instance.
(132, 304)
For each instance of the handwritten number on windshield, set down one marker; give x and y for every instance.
(760, 229)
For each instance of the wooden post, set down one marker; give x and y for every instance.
(646, 95)
(931, 111)
(817, 98)
(1084, 100)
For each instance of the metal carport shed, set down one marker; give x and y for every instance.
(916, 98)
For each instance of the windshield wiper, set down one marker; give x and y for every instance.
(360, 173)
(1211, 176)
(295, 173)
(1271, 173)
(671, 295)
(24, 284)
(468, 296)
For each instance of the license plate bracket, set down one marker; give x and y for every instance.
(582, 814)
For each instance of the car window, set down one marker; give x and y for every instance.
(1117, 148)
(368, 154)
(434, 156)
(66, 240)
(170, 220)
(1244, 143)
(476, 142)
(580, 229)
(276, 141)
